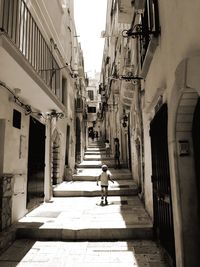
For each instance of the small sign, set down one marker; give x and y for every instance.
(184, 148)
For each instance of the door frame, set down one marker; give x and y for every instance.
(162, 202)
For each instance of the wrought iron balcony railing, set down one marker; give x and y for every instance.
(17, 23)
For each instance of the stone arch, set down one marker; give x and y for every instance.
(183, 101)
(55, 172)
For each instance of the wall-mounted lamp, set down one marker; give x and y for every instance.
(125, 121)
(127, 77)
(135, 32)
(139, 31)
(54, 114)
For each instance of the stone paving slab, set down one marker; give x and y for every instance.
(90, 188)
(26, 253)
(92, 174)
(98, 157)
(99, 163)
(84, 212)
(95, 149)
(85, 219)
(97, 153)
(82, 177)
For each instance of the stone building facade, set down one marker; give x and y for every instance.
(38, 60)
(93, 100)
(81, 84)
(150, 75)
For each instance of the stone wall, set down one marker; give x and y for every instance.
(6, 186)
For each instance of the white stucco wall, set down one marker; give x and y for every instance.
(179, 22)
(55, 20)
(15, 158)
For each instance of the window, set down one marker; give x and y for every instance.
(17, 119)
(150, 23)
(64, 91)
(91, 109)
(91, 94)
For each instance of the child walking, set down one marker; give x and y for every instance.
(107, 145)
(104, 177)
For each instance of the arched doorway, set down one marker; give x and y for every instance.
(187, 132)
(183, 136)
(196, 144)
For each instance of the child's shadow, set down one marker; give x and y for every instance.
(103, 204)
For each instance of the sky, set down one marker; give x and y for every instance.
(90, 21)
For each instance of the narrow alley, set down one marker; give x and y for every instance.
(75, 230)
(87, 83)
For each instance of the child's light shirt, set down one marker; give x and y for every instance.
(107, 145)
(104, 177)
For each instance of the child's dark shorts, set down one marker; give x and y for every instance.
(104, 186)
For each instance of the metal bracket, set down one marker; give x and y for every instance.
(138, 31)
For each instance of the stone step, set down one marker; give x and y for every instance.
(90, 153)
(83, 218)
(96, 144)
(91, 174)
(95, 150)
(90, 189)
(79, 177)
(34, 231)
(98, 157)
(99, 163)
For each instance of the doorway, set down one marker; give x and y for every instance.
(78, 140)
(36, 163)
(67, 146)
(196, 145)
(162, 204)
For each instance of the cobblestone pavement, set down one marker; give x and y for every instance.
(29, 253)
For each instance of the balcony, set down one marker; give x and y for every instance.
(145, 28)
(27, 60)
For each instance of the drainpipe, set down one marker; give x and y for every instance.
(105, 117)
(47, 173)
(139, 112)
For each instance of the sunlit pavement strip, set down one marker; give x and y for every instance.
(92, 173)
(91, 163)
(87, 214)
(97, 171)
(91, 185)
(83, 254)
